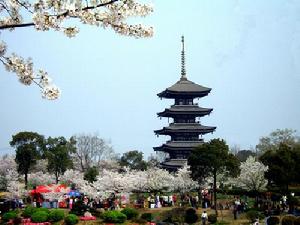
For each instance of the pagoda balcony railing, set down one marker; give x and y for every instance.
(183, 124)
(192, 105)
(189, 141)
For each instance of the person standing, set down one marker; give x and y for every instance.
(204, 218)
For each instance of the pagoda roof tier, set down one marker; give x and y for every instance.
(178, 145)
(185, 128)
(184, 88)
(185, 110)
(173, 164)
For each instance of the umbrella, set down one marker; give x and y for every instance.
(74, 193)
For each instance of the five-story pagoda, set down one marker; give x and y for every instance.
(184, 130)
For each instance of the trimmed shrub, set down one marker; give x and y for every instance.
(175, 215)
(191, 216)
(43, 210)
(39, 217)
(273, 220)
(28, 211)
(71, 219)
(9, 216)
(253, 214)
(114, 217)
(212, 218)
(288, 220)
(56, 215)
(147, 216)
(130, 213)
(297, 221)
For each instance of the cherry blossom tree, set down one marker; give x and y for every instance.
(7, 162)
(158, 180)
(183, 181)
(252, 176)
(15, 186)
(40, 178)
(62, 16)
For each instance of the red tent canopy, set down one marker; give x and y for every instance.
(50, 188)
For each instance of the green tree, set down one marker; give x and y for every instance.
(91, 174)
(243, 155)
(29, 147)
(211, 159)
(134, 160)
(283, 165)
(277, 137)
(58, 153)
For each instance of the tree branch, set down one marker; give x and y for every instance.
(8, 26)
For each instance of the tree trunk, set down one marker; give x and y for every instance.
(26, 180)
(215, 191)
(56, 178)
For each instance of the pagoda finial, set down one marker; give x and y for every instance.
(183, 73)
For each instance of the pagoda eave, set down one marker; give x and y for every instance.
(175, 94)
(167, 131)
(169, 113)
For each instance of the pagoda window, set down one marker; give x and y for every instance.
(184, 120)
(184, 101)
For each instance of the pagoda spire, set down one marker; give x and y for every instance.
(183, 72)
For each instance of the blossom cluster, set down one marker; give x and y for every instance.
(59, 15)
(109, 181)
(252, 176)
(24, 71)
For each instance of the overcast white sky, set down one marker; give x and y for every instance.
(247, 51)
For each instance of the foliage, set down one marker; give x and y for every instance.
(212, 218)
(130, 213)
(28, 211)
(252, 175)
(9, 215)
(243, 155)
(175, 215)
(273, 220)
(191, 216)
(56, 215)
(205, 162)
(133, 160)
(71, 219)
(39, 217)
(91, 150)
(283, 165)
(58, 153)
(43, 210)
(62, 16)
(147, 216)
(288, 220)
(91, 174)
(276, 138)
(29, 147)
(253, 214)
(114, 217)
